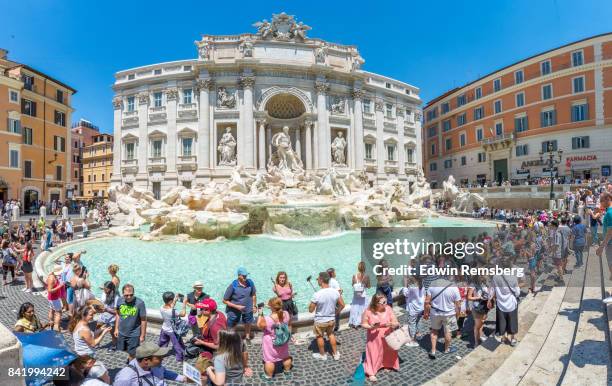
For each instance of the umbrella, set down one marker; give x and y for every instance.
(43, 350)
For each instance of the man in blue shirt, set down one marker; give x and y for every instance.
(241, 300)
(146, 368)
(606, 204)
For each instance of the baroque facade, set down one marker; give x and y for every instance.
(191, 121)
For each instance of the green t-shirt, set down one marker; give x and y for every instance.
(607, 222)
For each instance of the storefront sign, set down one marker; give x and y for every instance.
(522, 171)
(605, 171)
(547, 170)
(578, 158)
(535, 162)
(54, 185)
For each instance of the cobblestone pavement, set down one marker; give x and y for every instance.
(415, 366)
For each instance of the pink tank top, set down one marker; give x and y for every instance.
(55, 295)
(284, 292)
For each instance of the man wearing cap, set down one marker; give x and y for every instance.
(146, 368)
(240, 299)
(211, 322)
(193, 299)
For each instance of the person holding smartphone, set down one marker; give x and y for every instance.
(167, 335)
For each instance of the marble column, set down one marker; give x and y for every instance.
(203, 155)
(171, 99)
(143, 138)
(358, 145)
(298, 142)
(308, 139)
(262, 144)
(401, 146)
(324, 137)
(269, 140)
(315, 141)
(381, 155)
(117, 143)
(248, 131)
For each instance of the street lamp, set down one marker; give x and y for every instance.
(551, 158)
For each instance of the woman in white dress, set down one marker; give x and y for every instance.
(361, 282)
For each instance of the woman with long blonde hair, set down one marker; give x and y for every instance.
(273, 350)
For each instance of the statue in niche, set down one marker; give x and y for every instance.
(337, 106)
(203, 51)
(227, 148)
(338, 150)
(320, 54)
(247, 48)
(225, 99)
(287, 159)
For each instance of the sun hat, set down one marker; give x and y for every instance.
(242, 271)
(198, 283)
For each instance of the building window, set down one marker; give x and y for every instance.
(157, 71)
(27, 135)
(433, 167)
(577, 59)
(76, 174)
(482, 157)
(553, 144)
(462, 139)
(59, 143)
(409, 155)
(187, 94)
(131, 76)
(432, 131)
(545, 67)
(89, 178)
(518, 77)
(497, 85)
(479, 134)
(580, 112)
(520, 99)
(433, 149)
(522, 150)
(186, 184)
(389, 110)
(580, 142)
(157, 190)
(58, 173)
(27, 169)
(444, 108)
(461, 119)
(478, 113)
(157, 149)
(367, 107)
(187, 142)
(388, 85)
(478, 93)
(448, 164)
(130, 103)
(497, 106)
(548, 118)
(102, 176)
(60, 118)
(14, 126)
(432, 114)
(14, 158)
(448, 144)
(578, 84)
(391, 152)
(129, 150)
(446, 125)
(28, 107)
(499, 128)
(520, 124)
(59, 96)
(368, 150)
(28, 82)
(463, 160)
(94, 177)
(157, 99)
(13, 96)
(460, 100)
(546, 92)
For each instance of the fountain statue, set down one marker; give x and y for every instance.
(227, 148)
(338, 147)
(284, 157)
(462, 201)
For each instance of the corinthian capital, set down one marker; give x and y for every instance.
(171, 94)
(378, 105)
(205, 84)
(321, 86)
(117, 102)
(358, 94)
(247, 81)
(143, 98)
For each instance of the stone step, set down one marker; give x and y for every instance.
(470, 370)
(589, 359)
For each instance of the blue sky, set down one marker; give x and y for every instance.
(434, 45)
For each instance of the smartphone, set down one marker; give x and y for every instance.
(180, 297)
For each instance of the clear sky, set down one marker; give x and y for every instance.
(434, 45)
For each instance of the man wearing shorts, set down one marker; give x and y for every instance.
(606, 204)
(131, 322)
(323, 304)
(240, 299)
(443, 305)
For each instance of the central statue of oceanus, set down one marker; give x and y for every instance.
(284, 158)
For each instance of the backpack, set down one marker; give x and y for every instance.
(179, 325)
(281, 334)
(8, 258)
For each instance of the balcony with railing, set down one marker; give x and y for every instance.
(369, 119)
(130, 118)
(370, 163)
(157, 114)
(500, 141)
(187, 110)
(156, 163)
(187, 162)
(129, 165)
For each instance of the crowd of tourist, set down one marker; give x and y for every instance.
(531, 181)
(194, 327)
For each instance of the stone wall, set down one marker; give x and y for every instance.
(11, 356)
